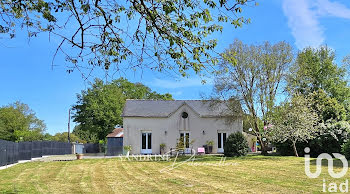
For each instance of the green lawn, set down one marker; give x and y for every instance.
(256, 174)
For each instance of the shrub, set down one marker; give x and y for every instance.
(162, 145)
(210, 143)
(180, 145)
(346, 150)
(127, 148)
(236, 145)
(322, 144)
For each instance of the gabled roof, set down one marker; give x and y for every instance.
(117, 132)
(165, 108)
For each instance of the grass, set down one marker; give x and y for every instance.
(257, 174)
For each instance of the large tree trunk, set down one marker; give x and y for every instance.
(262, 143)
(295, 149)
(263, 146)
(263, 149)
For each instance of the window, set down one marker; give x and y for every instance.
(224, 139)
(185, 137)
(149, 140)
(184, 115)
(144, 140)
(221, 141)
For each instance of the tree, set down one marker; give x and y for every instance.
(252, 74)
(138, 90)
(4, 133)
(28, 135)
(294, 121)
(85, 135)
(316, 75)
(63, 137)
(99, 108)
(328, 108)
(173, 35)
(248, 123)
(315, 69)
(334, 128)
(19, 122)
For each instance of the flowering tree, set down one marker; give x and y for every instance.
(252, 74)
(295, 121)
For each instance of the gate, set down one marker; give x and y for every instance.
(114, 146)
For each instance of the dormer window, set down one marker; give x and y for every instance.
(184, 115)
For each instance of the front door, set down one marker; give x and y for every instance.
(221, 142)
(146, 143)
(185, 137)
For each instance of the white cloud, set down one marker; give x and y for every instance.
(325, 7)
(303, 23)
(181, 83)
(303, 19)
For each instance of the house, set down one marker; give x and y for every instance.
(115, 142)
(149, 123)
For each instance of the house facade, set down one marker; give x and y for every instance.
(149, 123)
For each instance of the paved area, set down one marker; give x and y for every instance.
(22, 161)
(73, 157)
(69, 157)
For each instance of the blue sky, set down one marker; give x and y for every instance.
(26, 73)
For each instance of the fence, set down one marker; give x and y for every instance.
(11, 152)
(91, 148)
(8, 152)
(114, 146)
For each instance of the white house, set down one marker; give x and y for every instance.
(149, 123)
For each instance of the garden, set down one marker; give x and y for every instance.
(247, 174)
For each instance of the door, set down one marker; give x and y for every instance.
(185, 137)
(146, 143)
(221, 142)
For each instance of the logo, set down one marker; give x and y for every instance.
(330, 164)
(331, 187)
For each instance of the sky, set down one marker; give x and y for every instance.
(26, 73)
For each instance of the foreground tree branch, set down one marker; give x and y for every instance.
(162, 35)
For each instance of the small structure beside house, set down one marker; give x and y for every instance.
(78, 148)
(150, 123)
(115, 142)
(251, 139)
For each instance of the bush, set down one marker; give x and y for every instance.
(346, 150)
(236, 145)
(321, 144)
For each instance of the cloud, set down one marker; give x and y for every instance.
(325, 7)
(303, 19)
(181, 83)
(303, 23)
